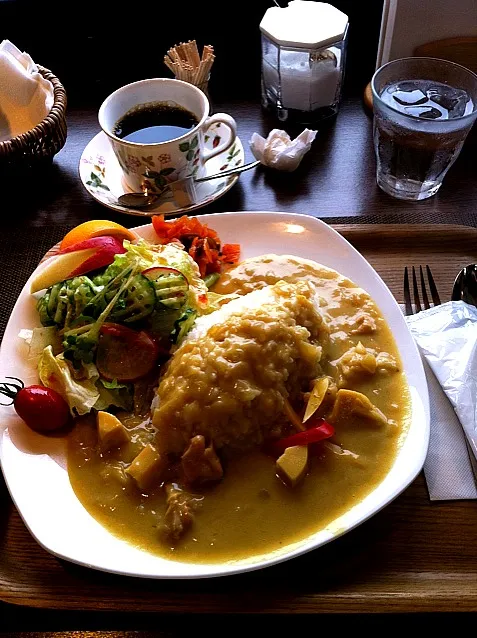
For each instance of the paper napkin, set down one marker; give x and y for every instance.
(447, 338)
(26, 97)
(279, 151)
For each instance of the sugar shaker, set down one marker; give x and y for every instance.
(303, 60)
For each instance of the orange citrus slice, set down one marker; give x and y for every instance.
(96, 228)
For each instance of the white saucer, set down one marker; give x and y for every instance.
(102, 176)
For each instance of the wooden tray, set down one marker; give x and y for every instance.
(413, 556)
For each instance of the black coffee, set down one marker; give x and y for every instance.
(153, 123)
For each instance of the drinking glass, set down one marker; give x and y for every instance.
(423, 111)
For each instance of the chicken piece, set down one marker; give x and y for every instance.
(199, 463)
(349, 402)
(386, 362)
(113, 472)
(362, 323)
(341, 452)
(179, 515)
(356, 361)
(310, 353)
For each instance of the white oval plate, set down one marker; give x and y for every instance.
(34, 466)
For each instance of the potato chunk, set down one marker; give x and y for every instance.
(292, 464)
(111, 431)
(349, 402)
(147, 467)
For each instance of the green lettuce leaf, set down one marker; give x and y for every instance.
(120, 396)
(85, 393)
(113, 385)
(55, 373)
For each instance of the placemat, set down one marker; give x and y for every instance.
(20, 253)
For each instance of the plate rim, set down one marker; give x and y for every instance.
(212, 570)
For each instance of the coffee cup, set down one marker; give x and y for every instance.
(149, 164)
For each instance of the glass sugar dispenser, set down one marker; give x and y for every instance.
(303, 60)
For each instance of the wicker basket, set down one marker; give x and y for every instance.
(42, 142)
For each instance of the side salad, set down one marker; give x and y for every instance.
(106, 332)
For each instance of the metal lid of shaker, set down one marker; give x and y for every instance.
(304, 24)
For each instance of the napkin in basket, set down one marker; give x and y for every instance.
(26, 97)
(279, 150)
(447, 338)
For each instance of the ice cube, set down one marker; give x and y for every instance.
(410, 98)
(426, 112)
(431, 113)
(408, 85)
(451, 99)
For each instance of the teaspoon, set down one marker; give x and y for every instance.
(465, 285)
(148, 198)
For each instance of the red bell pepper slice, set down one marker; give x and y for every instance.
(319, 432)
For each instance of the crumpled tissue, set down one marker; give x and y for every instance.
(26, 97)
(447, 338)
(279, 150)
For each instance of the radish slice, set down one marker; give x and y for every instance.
(124, 354)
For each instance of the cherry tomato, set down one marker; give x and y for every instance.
(42, 409)
(125, 354)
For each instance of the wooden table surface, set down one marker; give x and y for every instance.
(336, 181)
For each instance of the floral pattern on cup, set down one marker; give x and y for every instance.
(232, 154)
(157, 180)
(192, 154)
(156, 169)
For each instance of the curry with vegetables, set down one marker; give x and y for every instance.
(279, 405)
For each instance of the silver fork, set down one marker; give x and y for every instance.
(415, 289)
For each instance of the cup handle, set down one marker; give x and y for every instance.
(222, 146)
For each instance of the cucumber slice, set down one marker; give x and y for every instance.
(57, 303)
(80, 291)
(136, 303)
(42, 309)
(61, 306)
(170, 284)
(53, 300)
